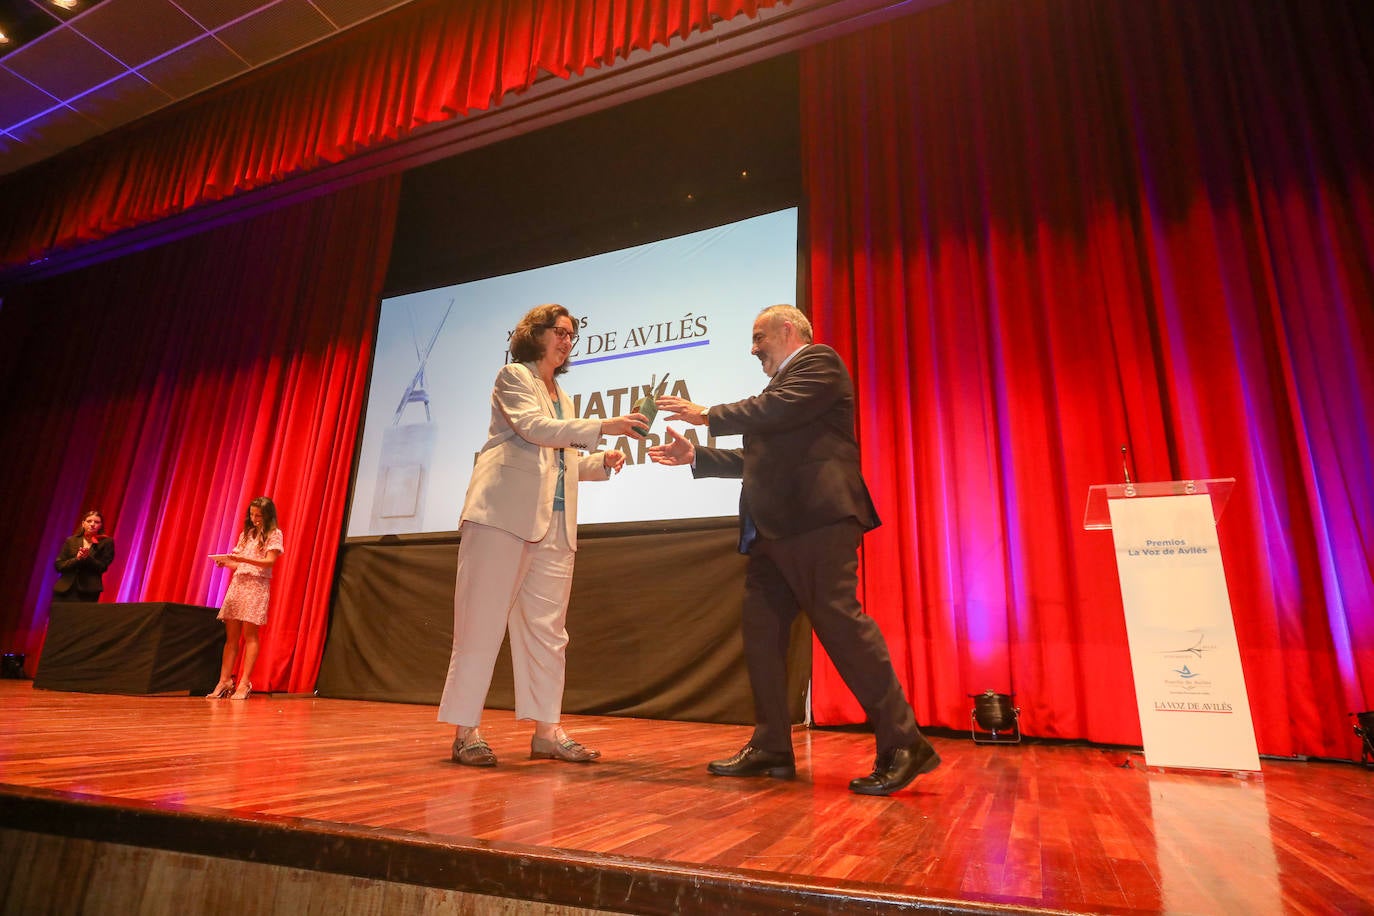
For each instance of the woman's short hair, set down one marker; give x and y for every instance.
(526, 343)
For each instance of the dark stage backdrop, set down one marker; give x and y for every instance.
(720, 149)
(653, 625)
(1040, 230)
(172, 386)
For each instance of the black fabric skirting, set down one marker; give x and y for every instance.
(142, 648)
(653, 624)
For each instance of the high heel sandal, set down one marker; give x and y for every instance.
(243, 692)
(222, 689)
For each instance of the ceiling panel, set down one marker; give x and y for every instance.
(63, 127)
(10, 146)
(197, 66)
(21, 154)
(135, 31)
(63, 63)
(344, 13)
(214, 13)
(180, 47)
(19, 100)
(126, 99)
(275, 30)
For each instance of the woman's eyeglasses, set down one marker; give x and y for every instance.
(564, 334)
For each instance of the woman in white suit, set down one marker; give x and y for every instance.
(519, 534)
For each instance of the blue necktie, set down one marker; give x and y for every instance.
(748, 534)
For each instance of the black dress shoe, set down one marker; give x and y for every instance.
(896, 769)
(751, 761)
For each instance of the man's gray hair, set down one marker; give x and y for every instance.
(777, 314)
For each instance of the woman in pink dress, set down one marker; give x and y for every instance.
(245, 603)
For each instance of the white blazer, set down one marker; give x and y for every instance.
(516, 473)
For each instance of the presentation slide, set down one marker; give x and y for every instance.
(680, 309)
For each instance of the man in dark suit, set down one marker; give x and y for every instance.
(804, 508)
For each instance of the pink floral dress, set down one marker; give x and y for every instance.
(249, 589)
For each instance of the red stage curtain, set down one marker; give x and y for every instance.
(172, 386)
(1044, 229)
(428, 62)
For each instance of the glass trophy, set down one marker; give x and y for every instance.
(646, 405)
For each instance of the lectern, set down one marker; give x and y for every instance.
(1189, 686)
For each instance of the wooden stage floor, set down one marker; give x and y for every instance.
(366, 789)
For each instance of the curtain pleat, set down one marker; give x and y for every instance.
(428, 62)
(1042, 230)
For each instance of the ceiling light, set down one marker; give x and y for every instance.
(65, 4)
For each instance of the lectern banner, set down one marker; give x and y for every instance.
(1194, 709)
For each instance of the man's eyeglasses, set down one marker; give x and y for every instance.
(564, 334)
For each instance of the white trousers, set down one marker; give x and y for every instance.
(505, 582)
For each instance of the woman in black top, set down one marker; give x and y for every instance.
(83, 560)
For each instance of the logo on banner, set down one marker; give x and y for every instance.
(1185, 680)
(1194, 650)
(635, 340)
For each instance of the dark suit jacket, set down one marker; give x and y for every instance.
(800, 460)
(82, 575)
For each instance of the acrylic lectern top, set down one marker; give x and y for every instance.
(1097, 515)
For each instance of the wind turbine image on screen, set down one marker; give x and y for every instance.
(404, 469)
